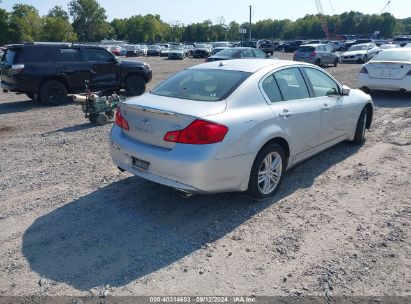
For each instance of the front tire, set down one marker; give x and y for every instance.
(267, 172)
(53, 92)
(365, 59)
(359, 137)
(335, 62)
(135, 85)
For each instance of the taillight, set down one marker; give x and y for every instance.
(17, 68)
(313, 54)
(199, 132)
(364, 70)
(121, 121)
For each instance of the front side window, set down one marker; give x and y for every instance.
(99, 55)
(322, 84)
(201, 85)
(247, 53)
(291, 84)
(260, 54)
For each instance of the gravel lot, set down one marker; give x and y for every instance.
(72, 224)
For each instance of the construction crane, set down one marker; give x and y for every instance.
(383, 10)
(324, 25)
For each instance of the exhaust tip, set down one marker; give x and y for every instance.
(5, 91)
(403, 90)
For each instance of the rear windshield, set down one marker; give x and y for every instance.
(201, 85)
(11, 56)
(306, 49)
(393, 56)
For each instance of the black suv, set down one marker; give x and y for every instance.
(50, 71)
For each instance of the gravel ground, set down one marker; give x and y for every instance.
(72, 224)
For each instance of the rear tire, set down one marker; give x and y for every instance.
(365, 59)
(53, 92)
(266, 175)
(135, 85)
(318, 62)
(335, 62)
(359, 137)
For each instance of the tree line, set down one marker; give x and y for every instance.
(89, 23)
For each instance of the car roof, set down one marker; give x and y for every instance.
(246, 65)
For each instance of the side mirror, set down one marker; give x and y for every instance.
(345, 90)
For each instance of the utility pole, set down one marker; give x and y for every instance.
(250, 23)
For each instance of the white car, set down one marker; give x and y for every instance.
(388, 46)
(360, 53)
(236, 125)
(389, 70)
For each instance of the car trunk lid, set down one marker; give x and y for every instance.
(388, 70)
(151, 116)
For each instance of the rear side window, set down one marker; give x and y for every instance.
(69, 55)
(271, 89)
(292, 84)
(99, 55)
(37, 54)
(11, 56)
(201, 85)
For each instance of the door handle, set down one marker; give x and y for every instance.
(285, 113)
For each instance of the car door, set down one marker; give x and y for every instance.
(71, 64)
(336, 115)
(295, 112)
(103, 68)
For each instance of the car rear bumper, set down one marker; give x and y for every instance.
(191, 168)
(364, 81)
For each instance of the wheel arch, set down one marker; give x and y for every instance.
(282, 142)
(54, 77)
(370, 114)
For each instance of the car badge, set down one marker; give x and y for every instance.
(145, 121)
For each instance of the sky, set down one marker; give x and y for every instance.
(185, 11)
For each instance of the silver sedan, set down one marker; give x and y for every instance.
(236, 125)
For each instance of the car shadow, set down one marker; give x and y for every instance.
(26, 105)
(75, 128)
(132, 228)
(19, 106)
(387, 99)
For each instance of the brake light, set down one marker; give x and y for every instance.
(17, 68)
(313, 54)
(364, 70)
(121, 121)
(199, 132)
